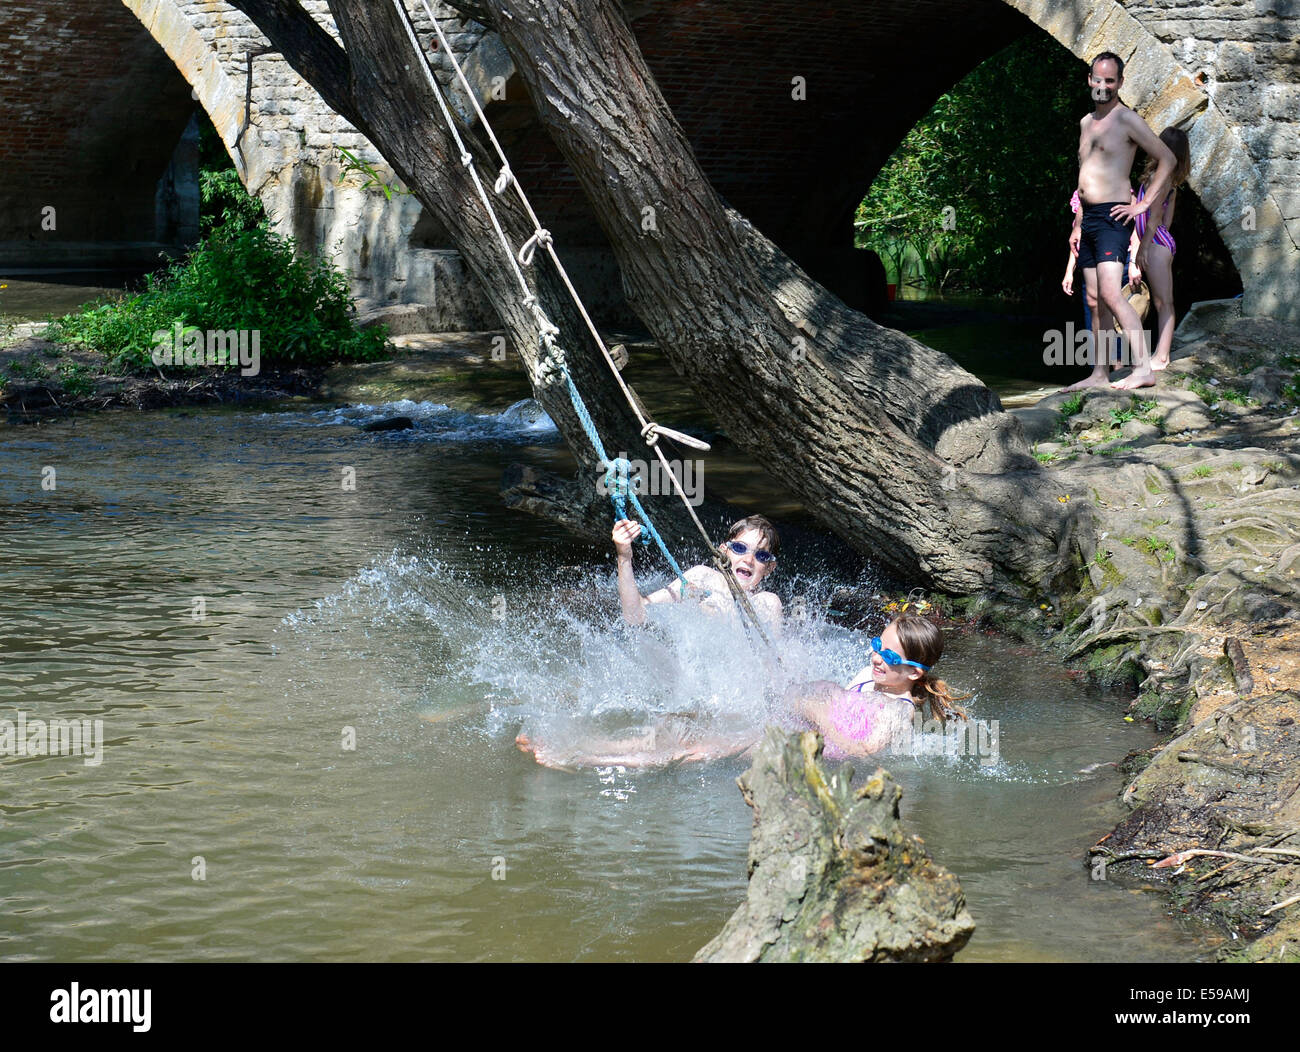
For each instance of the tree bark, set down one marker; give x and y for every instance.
(890, 443)
(377, 82)
(833, 873)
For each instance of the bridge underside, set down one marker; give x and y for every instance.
(92, 120)
(796, 167)
(792, 107)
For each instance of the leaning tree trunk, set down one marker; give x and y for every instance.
(888, 442)
(377, 82)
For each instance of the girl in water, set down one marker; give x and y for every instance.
(873, 712)
(878, 706)
(1160, 253)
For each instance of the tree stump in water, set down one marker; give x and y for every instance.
(833, 875)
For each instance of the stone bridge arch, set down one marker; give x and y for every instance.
(1222, 69)
(1238, 101)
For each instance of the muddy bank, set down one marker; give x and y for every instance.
(40, 378)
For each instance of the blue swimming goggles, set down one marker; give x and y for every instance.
(891, 658)
(761, 554)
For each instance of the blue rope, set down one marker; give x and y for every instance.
(617, 481)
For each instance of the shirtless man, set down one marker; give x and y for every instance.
(1108, 140)
(751, 547)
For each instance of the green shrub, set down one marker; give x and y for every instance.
(237, 277)
(78, 381)
(225, 204)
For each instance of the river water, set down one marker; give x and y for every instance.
(309, 695)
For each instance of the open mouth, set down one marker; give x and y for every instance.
(744, 573)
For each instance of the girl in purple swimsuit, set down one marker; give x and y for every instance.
(1160, 253)
(879, 704)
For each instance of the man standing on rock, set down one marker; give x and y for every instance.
(1108, 140)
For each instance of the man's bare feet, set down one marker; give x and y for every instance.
(1089, 381)
(1134, 380)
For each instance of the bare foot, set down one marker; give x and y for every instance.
(541, 753)
(1158, 363)
(1146, 378)
(1090, 381)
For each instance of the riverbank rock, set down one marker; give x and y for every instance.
(1218, 812)
(390, 423)
(1193, 598)
(833, 875)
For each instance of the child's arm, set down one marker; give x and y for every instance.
(767, 605)
(696, 577)
(630, 598)
(1067, 282)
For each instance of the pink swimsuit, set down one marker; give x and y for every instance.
(852, 716)
(1162, 236)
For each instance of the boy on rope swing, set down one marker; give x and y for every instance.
(750, 548)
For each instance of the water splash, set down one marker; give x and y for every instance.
(525, 420)
(519, 652)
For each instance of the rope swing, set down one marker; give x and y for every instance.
(551, 364)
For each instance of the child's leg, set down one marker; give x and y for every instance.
(1101, 322)
(1160, 279)
(1110, 278)
(589, 751)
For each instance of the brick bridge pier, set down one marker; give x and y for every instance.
(98, 99)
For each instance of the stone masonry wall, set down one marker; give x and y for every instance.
(90, 116)
(289, 156)
(1246, 56)
(99, 133)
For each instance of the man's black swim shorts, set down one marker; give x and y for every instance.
(1104, 240)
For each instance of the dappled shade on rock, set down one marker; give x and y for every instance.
(833, 875)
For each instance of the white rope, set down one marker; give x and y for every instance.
(540, 235)
(650, 431)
